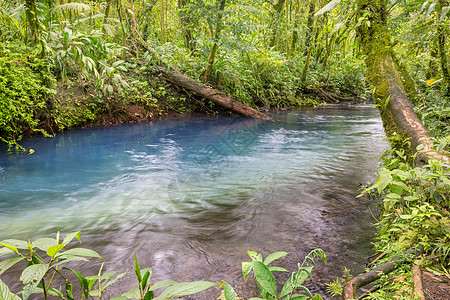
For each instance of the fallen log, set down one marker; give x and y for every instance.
(211, 94)
(417, 279)
(352, 286)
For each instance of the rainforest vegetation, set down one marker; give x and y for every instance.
(67, 64)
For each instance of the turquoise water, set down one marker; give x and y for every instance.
(192, 195)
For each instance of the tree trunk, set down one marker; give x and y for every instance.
(212, 55)
(32, 21)
(397, 113)
(211, 94)
(308, 54)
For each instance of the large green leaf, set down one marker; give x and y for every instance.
(33, 274)
(6, 251)
(15, 243)
(5, 293)
(8, 263)
(162, 284)
(277, 269)
(274, 256)
(80, 252)
(68, 238)
(43, 243)
(185, 288)
(69, 259)
(264, 278)
(53, 250)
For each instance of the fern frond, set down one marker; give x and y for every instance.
(73, 7)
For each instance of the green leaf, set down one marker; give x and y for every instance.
(277, 269)
(329, 7)
(162, 284)
(274, 256)
(184, 289)
(264, 278)
(246, 268)
(147, 275)
(229, 292)
(444, 13)
(18, 244)
(43, 243)
(431, 8)
(137, 269)
(299, 297)
(82, 280)
(149, 295)
(301, 275)
(104, 276)
(253, 255)
(114, 280)
(68, 238)
(8, 263)
(69, 259)
(80, 252)
(69, 290)
(33, 274)
(6, 251)
(53, 250)
(5, 293)
(133, 293)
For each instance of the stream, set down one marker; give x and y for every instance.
(191, 195)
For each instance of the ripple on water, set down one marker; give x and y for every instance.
(191, 196)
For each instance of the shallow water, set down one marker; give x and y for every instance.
(190, 196)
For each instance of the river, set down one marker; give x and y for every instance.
(191, 195)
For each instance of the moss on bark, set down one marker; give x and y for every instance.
(397, 113)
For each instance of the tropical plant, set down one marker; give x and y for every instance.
(47, 259)
(264, 277)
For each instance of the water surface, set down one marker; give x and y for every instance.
(190, 196)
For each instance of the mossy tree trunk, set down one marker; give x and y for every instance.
(397, 113)
(32, 21)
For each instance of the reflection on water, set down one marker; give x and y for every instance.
(191, 196)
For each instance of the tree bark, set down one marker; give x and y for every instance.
(355, 283)
(32, 20)
(397, 113)
(308, 54)
(211, 94)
